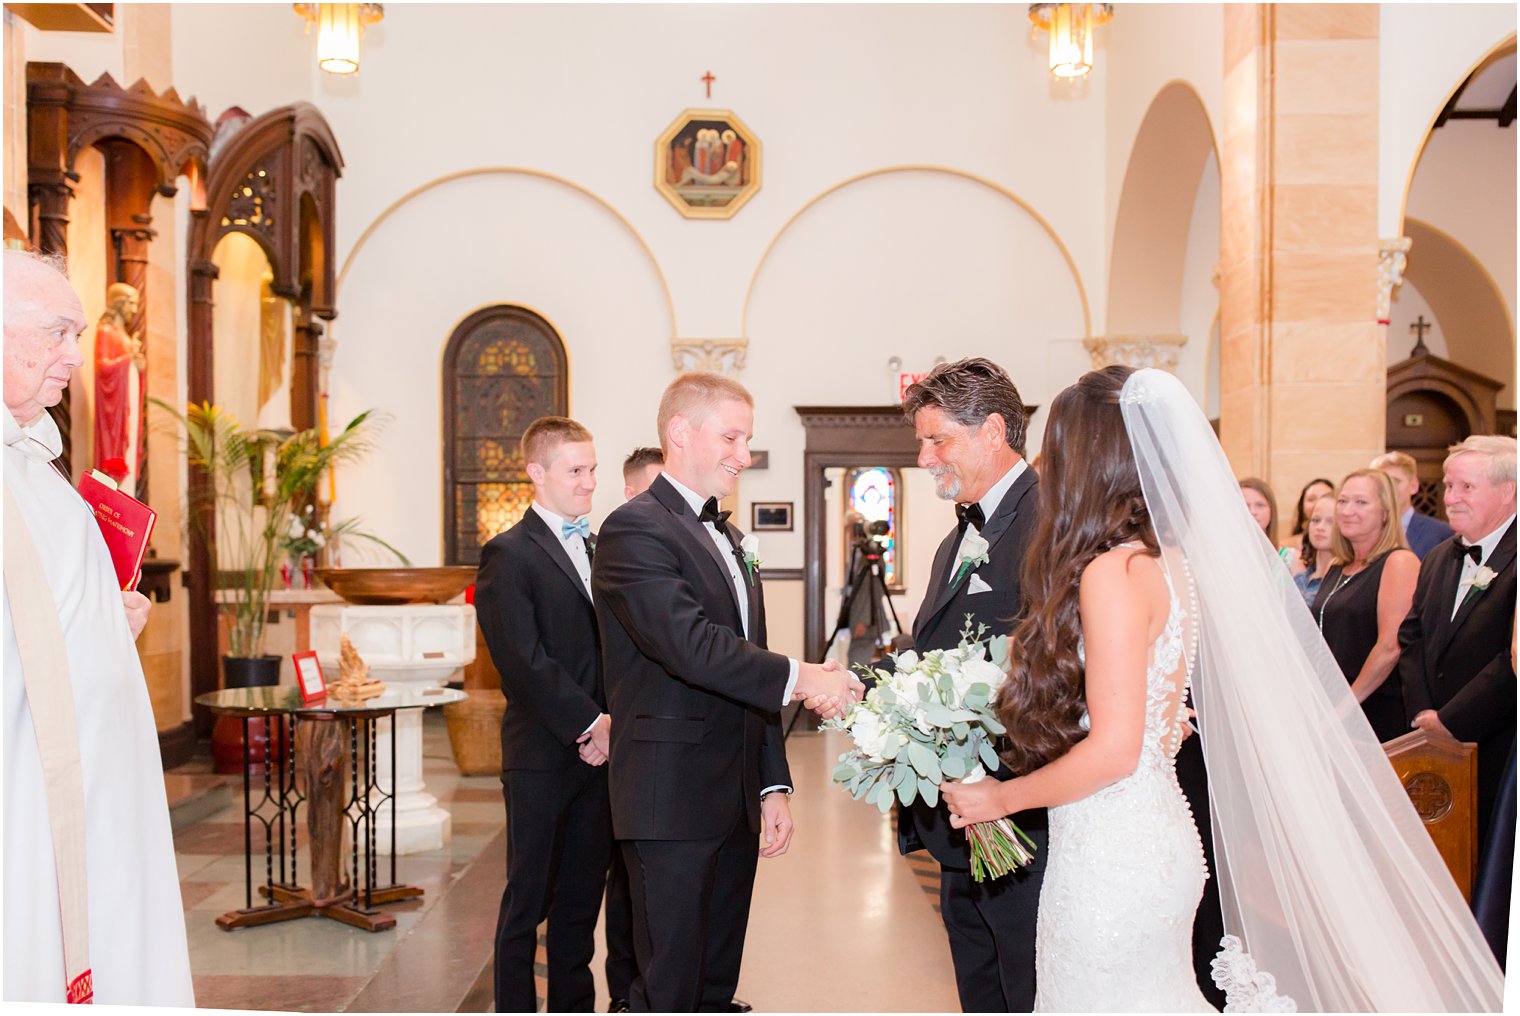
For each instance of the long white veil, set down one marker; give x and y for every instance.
(1326, 874)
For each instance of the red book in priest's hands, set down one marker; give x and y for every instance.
(125, 522)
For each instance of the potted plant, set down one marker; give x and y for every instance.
(258, 483)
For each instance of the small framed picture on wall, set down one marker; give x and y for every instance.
(775, 516)
(309, 676)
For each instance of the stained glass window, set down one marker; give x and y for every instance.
(504, 368)
(873, 492)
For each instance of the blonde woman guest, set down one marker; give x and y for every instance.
(1316, 557)
(1312, 492)
(1367, 594)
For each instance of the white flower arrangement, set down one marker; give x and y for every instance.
(930, 721)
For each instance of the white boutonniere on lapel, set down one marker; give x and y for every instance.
(750, 548)
(973, 554)
(1480, 581)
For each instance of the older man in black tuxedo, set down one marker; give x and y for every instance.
(533, 599)
(1456, 668)
(970, 424)
(699, 773)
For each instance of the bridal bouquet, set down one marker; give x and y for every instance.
(932, 721)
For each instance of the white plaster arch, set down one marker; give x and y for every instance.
(449, 248)
(1425, 52)
(1150, 241)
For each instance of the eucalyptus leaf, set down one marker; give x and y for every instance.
(938, 715)
(994, 725)
(884, 803)
(961, 730)
(929, 791)
(988, 755)
(924, 762)
(954, 768)
(907, 792)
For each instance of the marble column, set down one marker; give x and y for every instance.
(1302, 363)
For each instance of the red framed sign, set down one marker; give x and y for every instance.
(309, 676)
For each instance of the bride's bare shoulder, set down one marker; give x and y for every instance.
(1129, 571)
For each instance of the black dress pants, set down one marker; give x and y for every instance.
(622, 967)
(690, 913)
(559, 842)
(991, 926)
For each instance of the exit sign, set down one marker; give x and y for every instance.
(906, 379)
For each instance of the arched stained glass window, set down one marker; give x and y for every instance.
(504, 367)
(875, 492)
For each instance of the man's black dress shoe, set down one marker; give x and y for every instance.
(737, 1005)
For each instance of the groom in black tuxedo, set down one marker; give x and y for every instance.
(1456, 669)
(970, 424)
(698, 773)
(533, 599)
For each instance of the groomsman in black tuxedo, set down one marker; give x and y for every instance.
(533, 599)
(970, 424)
(1456, 669)
(699, 777)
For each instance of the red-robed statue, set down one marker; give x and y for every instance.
(118, 387)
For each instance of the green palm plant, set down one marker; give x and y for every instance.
(256, 481)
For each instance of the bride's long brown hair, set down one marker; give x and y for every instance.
(1090, 502)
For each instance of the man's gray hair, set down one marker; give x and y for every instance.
(969, 391)
(1500, 452)
(57, 262)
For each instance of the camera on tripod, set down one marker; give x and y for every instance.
(870, 538)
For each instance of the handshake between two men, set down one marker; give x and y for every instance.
(827, 688)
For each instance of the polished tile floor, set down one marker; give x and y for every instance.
(841, 923)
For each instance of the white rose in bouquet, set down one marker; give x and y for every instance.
(869, 732)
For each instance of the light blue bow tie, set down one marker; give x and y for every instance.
(569, 529)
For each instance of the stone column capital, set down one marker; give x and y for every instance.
(1393, 257)
(720, 356)
(1135, 350)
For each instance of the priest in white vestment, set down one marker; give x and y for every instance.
(136, 948)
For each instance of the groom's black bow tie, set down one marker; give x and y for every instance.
(969, 514)
(1472, 550)
(711, 514)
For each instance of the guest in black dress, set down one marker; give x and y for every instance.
(1366, 595)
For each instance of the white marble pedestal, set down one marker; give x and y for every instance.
(408, 647)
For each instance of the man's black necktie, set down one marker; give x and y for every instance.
(1460, 550)
(969, 514)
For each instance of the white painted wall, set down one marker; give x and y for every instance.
(1424, 52)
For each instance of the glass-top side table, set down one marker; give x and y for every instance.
(305, 762)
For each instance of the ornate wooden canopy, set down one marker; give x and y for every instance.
(274, 179)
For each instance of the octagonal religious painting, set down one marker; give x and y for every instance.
(707, 163)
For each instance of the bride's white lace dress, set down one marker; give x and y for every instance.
(1125, 870)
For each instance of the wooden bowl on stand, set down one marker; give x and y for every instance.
(396, 586)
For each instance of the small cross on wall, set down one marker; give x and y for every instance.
(1419, 328)
(708, 79)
